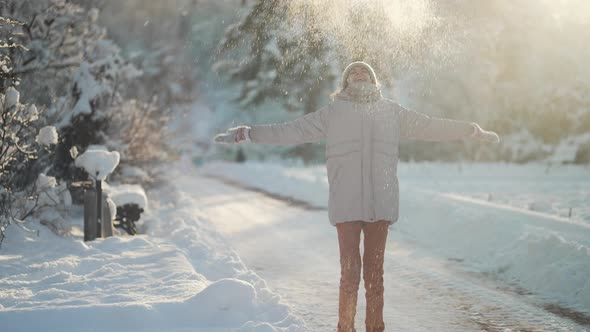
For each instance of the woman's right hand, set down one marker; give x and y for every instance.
(233, 135)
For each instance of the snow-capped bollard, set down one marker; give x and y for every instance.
(98, 162)
(91, 229)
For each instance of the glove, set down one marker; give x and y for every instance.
(484, 135)
(233, 135)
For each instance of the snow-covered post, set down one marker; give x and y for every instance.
(98, 162)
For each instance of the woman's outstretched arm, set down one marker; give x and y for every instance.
(419, 126)
(309, 128)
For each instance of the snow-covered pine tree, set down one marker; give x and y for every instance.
(84, 114)
(57, 35)
(58, 38)
(82, 76)
(158, 39)
(278, 57)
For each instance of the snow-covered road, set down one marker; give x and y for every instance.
(296, 252)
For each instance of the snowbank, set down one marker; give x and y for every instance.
(544, 254)
(306, 183)
(180, 275)
(554, 189)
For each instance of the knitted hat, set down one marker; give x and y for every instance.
(348, 68)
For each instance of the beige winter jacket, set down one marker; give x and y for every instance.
(362, 151)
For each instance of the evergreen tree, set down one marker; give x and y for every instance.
(85, 80)
(282, 58)
(20, 144)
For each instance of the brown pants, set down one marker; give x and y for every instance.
(375, 236)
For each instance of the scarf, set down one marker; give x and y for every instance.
(360, 92)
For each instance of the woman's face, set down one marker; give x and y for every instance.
(358, 74)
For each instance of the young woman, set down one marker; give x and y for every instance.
(362, 132)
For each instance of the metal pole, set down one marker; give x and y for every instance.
(99, 207)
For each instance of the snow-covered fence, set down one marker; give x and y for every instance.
(98, 162)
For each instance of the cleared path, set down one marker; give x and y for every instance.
(296, 251)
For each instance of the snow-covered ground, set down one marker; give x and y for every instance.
(181, 275)
(505, 221)
(217, 257)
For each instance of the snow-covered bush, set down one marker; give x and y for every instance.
(157, 37)
(62, 57)
(86, 81)
(56, 36)
(65, 62)
(138, 131)
(83, 114)
(573, 149)
(521, 147)
(16, 130)
(8, 47)
(170, 76)
(53, 203)
(19, 145)
(60, 42)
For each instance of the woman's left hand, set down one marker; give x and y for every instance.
(484, 135)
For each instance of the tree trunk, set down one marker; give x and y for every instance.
(312, 104)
